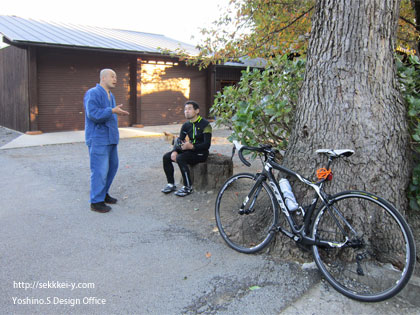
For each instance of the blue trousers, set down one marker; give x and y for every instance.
(103, 167)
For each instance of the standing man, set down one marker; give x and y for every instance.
(102, 136)
(194, 151)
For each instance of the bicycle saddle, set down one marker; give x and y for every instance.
(336, 153)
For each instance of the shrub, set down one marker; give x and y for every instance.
(409, 78)
(260, 109)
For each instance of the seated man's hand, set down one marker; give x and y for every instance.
(187, 146)
(174, 155)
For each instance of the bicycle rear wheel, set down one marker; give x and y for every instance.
(249, 232)
(377, 260)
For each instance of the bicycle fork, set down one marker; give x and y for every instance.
(255, 191)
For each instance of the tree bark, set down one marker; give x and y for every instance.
(349, 100)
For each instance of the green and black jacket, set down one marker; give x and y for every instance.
(198, 132)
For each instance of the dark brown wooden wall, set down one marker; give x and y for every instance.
(14, 103)
(164, 92)
(228, 73)
(43, 88)
(63, 79)
(226, 76)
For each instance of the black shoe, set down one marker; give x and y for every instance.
(109, 199)
(168, 188)
(100, 207)
(184, 191)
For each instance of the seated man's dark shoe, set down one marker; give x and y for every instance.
(109, 199)
(100, 207)
(168, 188)
(184, 191)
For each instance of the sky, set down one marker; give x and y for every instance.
(177, 19)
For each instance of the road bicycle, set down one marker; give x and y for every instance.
(360, 242)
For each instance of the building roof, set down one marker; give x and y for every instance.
(247, 62)
(18, 31)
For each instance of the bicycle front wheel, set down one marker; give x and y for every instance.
(371, 255)
(253, 230)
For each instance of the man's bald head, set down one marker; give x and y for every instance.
(105, 72)
(108, 79)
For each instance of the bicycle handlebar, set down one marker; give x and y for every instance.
(268, 152)
(267, 149)
(241, 157)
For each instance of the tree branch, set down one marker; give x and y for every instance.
(417, 27)
(292, 22)
(268, 36)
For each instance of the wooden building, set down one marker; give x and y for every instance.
(47, 67)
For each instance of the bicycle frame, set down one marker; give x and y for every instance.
(299, 234)
(360, 242)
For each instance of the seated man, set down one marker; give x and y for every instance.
(185, 152)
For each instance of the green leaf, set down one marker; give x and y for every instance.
(415, 205)
(409, 80)
(255, 287)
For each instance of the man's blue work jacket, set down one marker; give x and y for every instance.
(101, 125)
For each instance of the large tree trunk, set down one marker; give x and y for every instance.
(349, 99)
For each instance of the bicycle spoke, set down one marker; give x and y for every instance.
(377, 260)
(343, 219)
(250, 229)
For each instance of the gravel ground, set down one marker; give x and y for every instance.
(7, 135)
(152, 254)
(53, 212)
(140, 166)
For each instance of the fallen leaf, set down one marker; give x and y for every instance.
(208, 255)
(216, 229)
(255, 287)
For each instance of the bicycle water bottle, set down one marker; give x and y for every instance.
(289, 197)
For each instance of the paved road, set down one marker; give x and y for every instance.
(152, 254)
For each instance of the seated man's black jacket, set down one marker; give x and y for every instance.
(199, 134)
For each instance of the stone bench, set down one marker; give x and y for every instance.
(210, 175)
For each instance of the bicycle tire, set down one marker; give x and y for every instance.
(246, 233)
(378, 261)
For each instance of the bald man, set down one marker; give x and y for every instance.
(102, 136)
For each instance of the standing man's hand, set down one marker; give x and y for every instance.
(119, 111)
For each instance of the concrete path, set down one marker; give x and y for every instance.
(26, 140)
